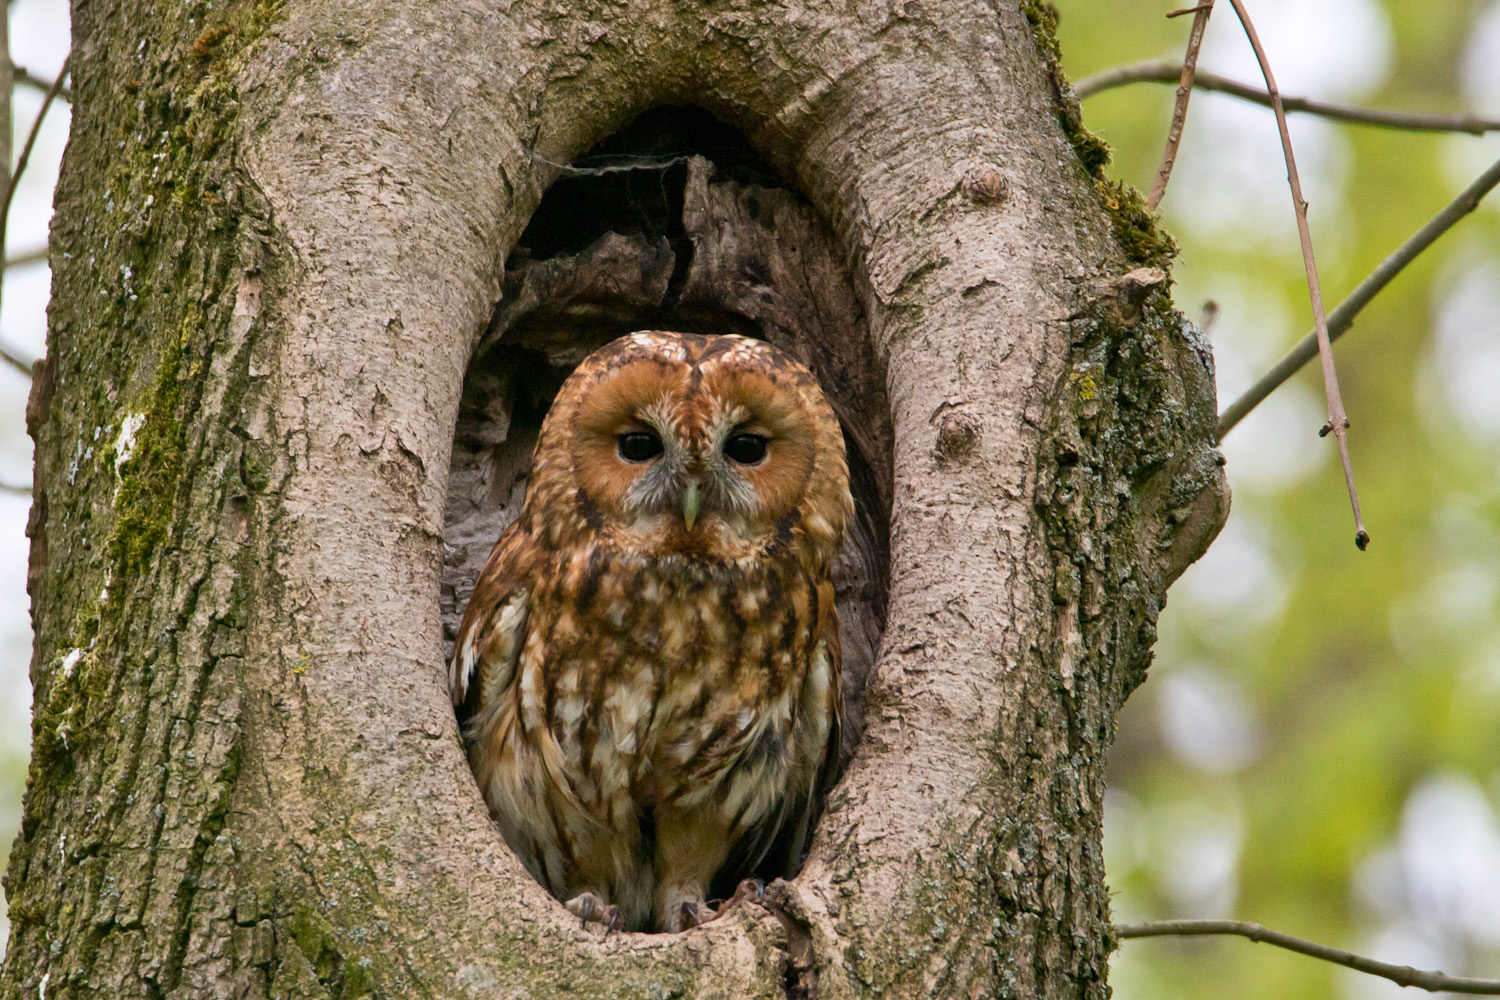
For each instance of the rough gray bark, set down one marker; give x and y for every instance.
(281, 237)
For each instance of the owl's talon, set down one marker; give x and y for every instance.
(752, 889)
(691, 914)
(588, 906)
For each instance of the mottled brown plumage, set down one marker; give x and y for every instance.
(649, 665)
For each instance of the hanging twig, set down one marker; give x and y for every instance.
(1338, 421)
(25, 76)
(15, 178)
(1343, 315)
(1184, 94)
(1401, 974)
(1154, 71)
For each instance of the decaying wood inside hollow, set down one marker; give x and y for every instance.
(750, 259)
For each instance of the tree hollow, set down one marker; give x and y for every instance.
(672, 223)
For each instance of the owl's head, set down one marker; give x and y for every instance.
(706, 447)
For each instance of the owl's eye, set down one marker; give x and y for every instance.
(746, 449)
(639, 446)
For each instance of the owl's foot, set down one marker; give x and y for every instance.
(588, 906)
(692, 913)
(752, 889)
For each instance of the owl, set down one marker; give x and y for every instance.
(648, 669)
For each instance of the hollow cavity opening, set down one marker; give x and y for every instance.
(673, 223)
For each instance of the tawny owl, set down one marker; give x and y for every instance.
(649, 665)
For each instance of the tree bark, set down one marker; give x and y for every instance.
(281, 235)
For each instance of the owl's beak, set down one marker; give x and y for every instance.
(690, 502)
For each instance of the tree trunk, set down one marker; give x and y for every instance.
(282, 232)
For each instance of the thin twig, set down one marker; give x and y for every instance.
(8, 72)
(13, 359)
(7, 119)
(23, 75)
(1153, 71)
(36, 128)
(32, 256)
(1184, 94)
(1401, 974)
(1343, 315)
(24, 491)
(1338, 421)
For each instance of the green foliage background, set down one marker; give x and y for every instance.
(1354, 680)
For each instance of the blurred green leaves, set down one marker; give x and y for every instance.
(1370, 682)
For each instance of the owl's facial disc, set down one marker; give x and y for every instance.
(702, 458)
(695, 475)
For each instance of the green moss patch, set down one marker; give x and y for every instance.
(1136, 229)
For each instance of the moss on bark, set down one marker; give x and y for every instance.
(1136, 228)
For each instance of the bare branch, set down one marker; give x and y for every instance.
(25, 76)
(32, 256)
(15, 178)
(1342, 317)
(1403, 975)
(8, 72)
(15, 360)
(36, 128)
(1338, 421)
(18, 490)
(1154, 71)
(1184, 94)
(7, 119)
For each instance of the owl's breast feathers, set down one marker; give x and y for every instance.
(605, 689)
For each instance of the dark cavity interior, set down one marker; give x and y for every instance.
(672, 223)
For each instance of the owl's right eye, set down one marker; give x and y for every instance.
(639, 446)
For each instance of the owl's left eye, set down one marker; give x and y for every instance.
(746, 449)
(639, 446)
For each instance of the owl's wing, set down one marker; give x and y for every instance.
(493, 629)
(775, 846)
